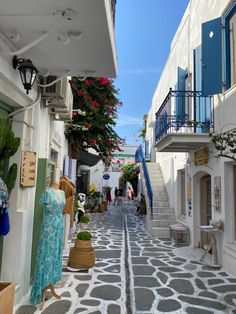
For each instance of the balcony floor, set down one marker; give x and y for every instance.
(183, 142)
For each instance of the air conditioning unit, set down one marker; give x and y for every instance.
(59, 94)
(64, 114)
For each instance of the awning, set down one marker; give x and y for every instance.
(83, 157)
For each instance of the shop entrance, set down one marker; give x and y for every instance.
(205, 207)
(82, 183)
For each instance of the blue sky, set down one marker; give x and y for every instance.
(144, 30)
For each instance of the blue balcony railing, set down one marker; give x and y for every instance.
(185, 112)
(139, 157)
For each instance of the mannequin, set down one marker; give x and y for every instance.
(48, 267)
(81, 211)
(68, 212)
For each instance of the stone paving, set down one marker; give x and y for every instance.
(136, 273)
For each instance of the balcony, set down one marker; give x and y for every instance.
(74, 38)
(183, 121)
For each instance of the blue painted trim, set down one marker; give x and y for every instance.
(226, 18)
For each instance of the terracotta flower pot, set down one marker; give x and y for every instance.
(82, 255)
(7, 291)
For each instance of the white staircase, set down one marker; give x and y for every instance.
(163, 214)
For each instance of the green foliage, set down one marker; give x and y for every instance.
(144, 128)
(76, 204)
(8, 147)
(11, 178)
(97, 97)
(225, 143)
(130, 173)
(84, 235)
(93, 193)
(84, 219)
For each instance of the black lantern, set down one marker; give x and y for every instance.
(28, 72)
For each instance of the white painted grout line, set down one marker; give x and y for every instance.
(132, 294)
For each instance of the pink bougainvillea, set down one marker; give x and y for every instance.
(97, 97)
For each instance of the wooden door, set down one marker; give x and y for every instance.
(205, 209)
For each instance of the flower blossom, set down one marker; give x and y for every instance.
(87, 125)
(92, 141)
(80, 93)
(95, 104)
(104, 80)
(87, 82)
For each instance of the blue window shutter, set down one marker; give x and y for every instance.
(180, 100)
(212, 57)
(202, 104)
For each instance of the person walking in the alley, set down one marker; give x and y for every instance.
(108, 195)
(115, 196)
(130, 193)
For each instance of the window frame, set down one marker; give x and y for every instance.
(226, 45)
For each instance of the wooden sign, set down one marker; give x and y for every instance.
(28, 169)
(201, 156)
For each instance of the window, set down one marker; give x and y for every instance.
(232, 46)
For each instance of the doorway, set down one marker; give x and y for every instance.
(205, 208)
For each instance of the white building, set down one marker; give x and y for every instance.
(102, 176)
(196, 95)
(61, 38)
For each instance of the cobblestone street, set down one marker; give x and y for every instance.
(135, 273)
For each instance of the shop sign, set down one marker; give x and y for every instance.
(106, 176)
(201, 156)
(28, 169)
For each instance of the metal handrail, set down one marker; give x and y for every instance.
(168, 121)
(139, 157)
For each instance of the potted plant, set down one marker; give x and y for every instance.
(84, 219)
(8, 147)
(82, 255)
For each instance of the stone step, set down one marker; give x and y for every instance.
(164, 216)
(160, 232)
(160, 204)
(163, 198)
(158, 210)
(163, 223)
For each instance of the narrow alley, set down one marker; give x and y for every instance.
(136, 273)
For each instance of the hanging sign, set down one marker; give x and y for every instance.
(201, 156)
(106, 176)
(28, 169)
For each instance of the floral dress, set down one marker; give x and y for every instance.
(48, 267)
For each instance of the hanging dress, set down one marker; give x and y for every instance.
(48, 267)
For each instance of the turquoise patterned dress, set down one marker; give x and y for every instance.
(48, 267)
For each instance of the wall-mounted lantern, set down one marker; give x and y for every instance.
(28, 72)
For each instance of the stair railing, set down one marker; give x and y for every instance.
(139, 157)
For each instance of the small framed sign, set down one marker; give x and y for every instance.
(106, 176)
(28, 169)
